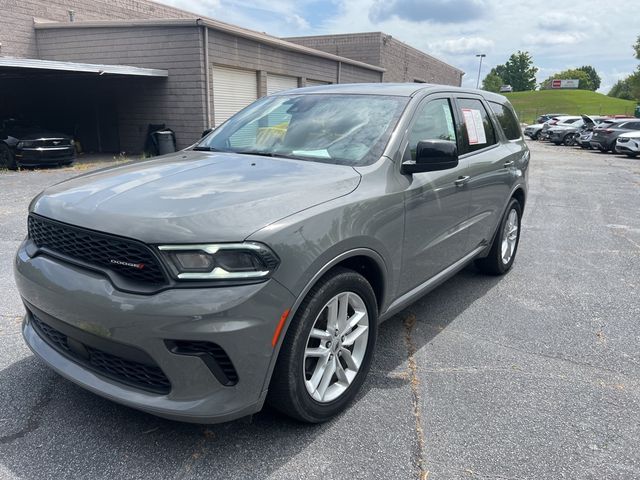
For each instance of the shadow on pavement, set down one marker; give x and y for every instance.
(49, 428)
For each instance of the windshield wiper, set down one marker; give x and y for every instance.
(266, 154)
(202, 148)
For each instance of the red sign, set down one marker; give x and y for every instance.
(556, 83)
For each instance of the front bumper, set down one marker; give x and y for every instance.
(631, 146)
(240, 319)
(45, 155)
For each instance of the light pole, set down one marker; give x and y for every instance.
(481, 55)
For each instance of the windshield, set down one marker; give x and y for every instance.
(341, 129)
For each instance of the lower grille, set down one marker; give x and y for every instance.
(146, 377)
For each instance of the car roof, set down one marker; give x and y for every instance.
(396, 89)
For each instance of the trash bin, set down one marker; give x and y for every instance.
(637, 111)
(165, 140)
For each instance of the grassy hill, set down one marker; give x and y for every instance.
(529, 105)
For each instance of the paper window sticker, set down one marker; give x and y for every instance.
(475, 126)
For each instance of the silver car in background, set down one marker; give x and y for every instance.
(257, 265)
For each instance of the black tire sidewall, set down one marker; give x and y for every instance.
(513, 205)
(304, 406)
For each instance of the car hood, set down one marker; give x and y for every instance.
(633, 134)
(194, 196)
(33, 133)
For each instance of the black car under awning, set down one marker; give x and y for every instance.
(84, 100)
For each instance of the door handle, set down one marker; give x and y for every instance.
(508, 163)
(461, 181)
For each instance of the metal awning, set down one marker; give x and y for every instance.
(34, 64)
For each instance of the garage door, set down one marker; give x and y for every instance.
(233, 89)
(315, 83)
(278, 83)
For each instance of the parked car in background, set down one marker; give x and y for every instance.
(533, 131)
(604, 138)
(25, 144)
(567, 133)
(506, 89)
(552, 122)
(584, 139)
(545, 117)
(629, 144)
(256, 265)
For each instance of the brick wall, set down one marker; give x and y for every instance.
(177, 101)
(19, 39)
(402, 62)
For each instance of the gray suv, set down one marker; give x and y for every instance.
(257, 265)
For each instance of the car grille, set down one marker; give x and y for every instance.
(136, 260)
(146, 377)
(51, 142)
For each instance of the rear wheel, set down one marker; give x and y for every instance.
(505, 243)
(7, 158)
(535, 136)
(632, 155)
(327, 350)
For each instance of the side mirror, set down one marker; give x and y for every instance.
(206, 132)
(431, 156)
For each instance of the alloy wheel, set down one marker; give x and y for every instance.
(336, 347)
(510, 236)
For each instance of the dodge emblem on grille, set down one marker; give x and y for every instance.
(56, 142)
(139, 266)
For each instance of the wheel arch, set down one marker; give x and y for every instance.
(365, 261)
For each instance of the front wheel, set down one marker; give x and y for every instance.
(327, 350)
(505, 243)
(632, 155)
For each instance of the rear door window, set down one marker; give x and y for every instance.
(507, 120)
(477, 131)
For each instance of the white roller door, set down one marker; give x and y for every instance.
(316, 83)
(233, 89)
(278, 83)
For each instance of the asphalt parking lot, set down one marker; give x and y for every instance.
(535, 375)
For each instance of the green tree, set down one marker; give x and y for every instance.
(593, 76)
(519, 72)
(577, 74)
(636, 47)
(627, 88)
(492, 82)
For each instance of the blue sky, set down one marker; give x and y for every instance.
(559, 35)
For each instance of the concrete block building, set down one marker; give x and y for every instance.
(104, 70)
(401, 62)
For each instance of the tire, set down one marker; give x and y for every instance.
(568, 140)
(494, 263)
(535, 136)
(295, 372)
(7, 158)
(632, 155)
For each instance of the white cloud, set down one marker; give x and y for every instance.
(562, 36)
(463, 45)
(548, 39)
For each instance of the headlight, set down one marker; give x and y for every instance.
(220, 261)
(26, 144)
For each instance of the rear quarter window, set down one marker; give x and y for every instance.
(507, 120)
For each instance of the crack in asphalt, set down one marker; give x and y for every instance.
(35, 415)
(409, 324)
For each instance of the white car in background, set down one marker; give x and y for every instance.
(629, 144)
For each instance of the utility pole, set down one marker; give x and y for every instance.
(481, 55)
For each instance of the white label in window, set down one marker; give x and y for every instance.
(475, 127)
